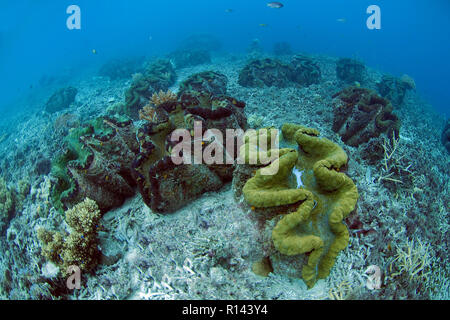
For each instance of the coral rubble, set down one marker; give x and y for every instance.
(61, 99)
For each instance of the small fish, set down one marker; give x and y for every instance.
(341, 20)
(275, 5)
(94, 51)
(357, 84)
(263, 25)
(229, 10)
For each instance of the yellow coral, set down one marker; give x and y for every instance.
(163, 97)
(80, 248)
(148, 113)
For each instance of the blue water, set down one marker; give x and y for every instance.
(34, 40)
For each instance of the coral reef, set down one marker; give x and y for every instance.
(304, 70)
(80, 247)
(313, 197)
(445, 138)
(163, 97)
(159, 75)
(360, 114)
(61, 99)
(214, 247)
(394, 89)
(96, 164)
(7, 204)
(120, 68)
(148, 112)
(166, 186)
(350, 70)
(211, 82)
(265, 72)
(189, 58)
(282, 48)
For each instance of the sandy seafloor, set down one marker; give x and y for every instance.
(206, 249)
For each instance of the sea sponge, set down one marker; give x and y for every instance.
(61, 99)
(310, 179)
(80, 247)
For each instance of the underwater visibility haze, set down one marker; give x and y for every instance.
(117, 163)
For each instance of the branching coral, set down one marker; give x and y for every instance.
(148, 113)
(392, 166)
(80, 248)
(163, 97)
(323, 198)
(413, 259)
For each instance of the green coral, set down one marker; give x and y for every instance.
(80, 248)
(324, 197)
